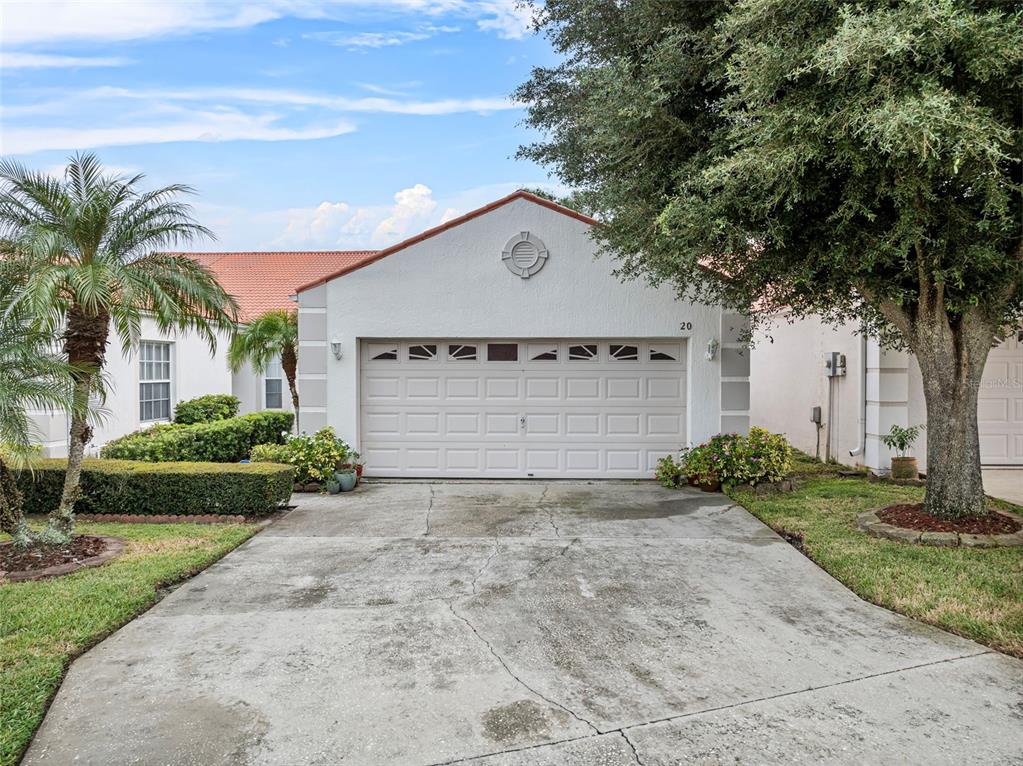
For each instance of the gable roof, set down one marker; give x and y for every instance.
(265, 281)
(376, 256)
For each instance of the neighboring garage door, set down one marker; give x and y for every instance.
(501, 408)
(1000, 405)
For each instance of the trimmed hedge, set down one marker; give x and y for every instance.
(128, 486)
(206, 409)
(222, 441)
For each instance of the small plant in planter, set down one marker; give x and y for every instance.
(702, 465)
(352, 460)
(901, 440)
(669, 473)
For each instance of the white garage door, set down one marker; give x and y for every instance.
(560, 408)
(1000, 405)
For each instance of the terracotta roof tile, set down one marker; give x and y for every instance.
(263, 281)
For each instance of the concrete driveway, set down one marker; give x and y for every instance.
(528, 623)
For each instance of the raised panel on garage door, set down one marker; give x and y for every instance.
(1000, 405)
(572, 408)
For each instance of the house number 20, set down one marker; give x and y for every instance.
(687, 325)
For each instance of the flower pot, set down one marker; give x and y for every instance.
(358, 470)
(692, 481)
(346, 479)
(333, 487)
(710, 483)
(904, 468)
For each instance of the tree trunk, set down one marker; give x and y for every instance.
(12, 519)
(289, 362)
(951, 365)
(85, 343)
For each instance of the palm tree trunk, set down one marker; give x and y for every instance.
(289, 361)
(85, 342)
(12, 518)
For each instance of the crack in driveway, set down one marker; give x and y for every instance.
(504, 664)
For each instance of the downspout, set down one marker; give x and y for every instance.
(862, 446)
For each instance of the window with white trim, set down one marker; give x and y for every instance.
(154, 381)
(273, 385)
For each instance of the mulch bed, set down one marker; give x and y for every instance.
(51, 560)
(912, 516)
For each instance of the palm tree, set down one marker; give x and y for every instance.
(32, 375)
(90, 244)
(270, 336)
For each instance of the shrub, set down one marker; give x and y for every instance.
(734, 459)
(669, 472)
(128, 486)
(222, 441)
(315, 457)
(206, 409)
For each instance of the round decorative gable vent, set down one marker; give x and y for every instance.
(524, 255)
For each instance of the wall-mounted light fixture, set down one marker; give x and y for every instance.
(335, 348)
(712, 349)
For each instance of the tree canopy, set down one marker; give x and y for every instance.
(816, 152)
(856, 161)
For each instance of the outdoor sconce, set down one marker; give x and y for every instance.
(712, 349)
(335, 348)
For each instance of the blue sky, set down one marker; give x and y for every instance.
(302, 124)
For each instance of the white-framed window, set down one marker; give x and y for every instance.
(154, 381)
(273, 386)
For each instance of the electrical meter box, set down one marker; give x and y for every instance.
(834, 364)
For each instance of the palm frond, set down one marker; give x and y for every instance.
(262, 340)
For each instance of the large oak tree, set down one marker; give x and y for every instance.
(857, 161)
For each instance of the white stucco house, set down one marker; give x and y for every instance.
(869, 390)
(144, 383)
(497, 345)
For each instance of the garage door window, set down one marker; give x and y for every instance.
(582, 353)
(422, 352)
(462, 353)
(383, 352)
(502, 352)
(664, 354)
(541, 352)
(625, 353)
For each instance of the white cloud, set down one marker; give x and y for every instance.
(339, 225)
(398, 90)
(110, 20)
(197, 126)
(268, 97)
(14, 60)
(343, 225)
(412, 205)
(361, 40)
(510, 19)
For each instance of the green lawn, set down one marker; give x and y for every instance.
(46, 623)
(976, 593)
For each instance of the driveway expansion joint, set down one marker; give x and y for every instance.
(797, 692)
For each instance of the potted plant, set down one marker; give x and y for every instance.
(701, 467)
(901, 440)
(347, 478)
(352, 461)
(333, 487)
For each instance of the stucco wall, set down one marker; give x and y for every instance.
(194, 372)
(454, 285)
(788, 378)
